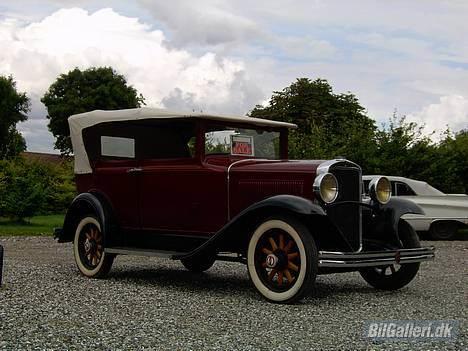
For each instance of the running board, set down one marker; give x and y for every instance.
(174, 255)
(142, 252)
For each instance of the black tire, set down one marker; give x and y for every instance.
(283, 272)
(200, 263)
(399, 275)
(443, 230)
(88, 247)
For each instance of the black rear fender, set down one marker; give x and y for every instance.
(84, 204)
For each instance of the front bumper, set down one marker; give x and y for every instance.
(375, 258)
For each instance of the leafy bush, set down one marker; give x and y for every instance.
(28, 188)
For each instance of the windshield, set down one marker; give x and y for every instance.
(243, 142)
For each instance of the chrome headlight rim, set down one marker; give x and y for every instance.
(380, 186)
(323, 183)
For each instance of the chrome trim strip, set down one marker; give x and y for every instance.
(375, 258)
(324, 167)
(373, 263)
(372, 254)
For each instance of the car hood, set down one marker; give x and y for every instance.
(287, 166)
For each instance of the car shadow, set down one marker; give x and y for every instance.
(184, 280)
(236, 284)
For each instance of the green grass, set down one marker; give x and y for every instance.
(39, 225)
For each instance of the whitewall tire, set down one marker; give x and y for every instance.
(282, 260)
(88, 248)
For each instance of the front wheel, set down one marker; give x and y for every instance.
(282, 260)
(395, 276)
(88, 247)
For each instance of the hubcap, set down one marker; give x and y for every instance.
(87, 245)
(271, 261)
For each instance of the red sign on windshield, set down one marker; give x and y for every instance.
(242, 145)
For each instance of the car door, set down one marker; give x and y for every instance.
(177, 193)
(115, 177)
(111, 150)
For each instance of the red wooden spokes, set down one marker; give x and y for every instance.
(273, 243)
(281, 240)
(92, 246)
(279, 259)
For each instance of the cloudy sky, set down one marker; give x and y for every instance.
(227, 56)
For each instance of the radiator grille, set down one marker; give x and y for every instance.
(347, 217)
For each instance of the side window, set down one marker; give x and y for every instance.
(167, 139)
(403, 189)
(117, 147)
(110, 141)
(143, 140)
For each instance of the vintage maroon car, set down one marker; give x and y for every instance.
(200, 188)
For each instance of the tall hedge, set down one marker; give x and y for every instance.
(29, 188)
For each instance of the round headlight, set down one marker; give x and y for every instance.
(380, 190)
(326, 187)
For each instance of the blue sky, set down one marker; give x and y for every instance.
(226, 56)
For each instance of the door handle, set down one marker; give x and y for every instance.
(134, 170)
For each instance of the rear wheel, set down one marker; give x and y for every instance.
(200, 263)
(88, 247)
(282, 260)
(395, 276)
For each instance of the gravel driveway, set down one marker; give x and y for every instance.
(149, 303)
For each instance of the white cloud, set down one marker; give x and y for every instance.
(451, 111)
(38, 138)
(207, 22)
(36, 53)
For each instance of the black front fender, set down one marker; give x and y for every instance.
(245, 221)
(384, 219)
(396, 208)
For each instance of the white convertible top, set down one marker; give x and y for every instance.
(81, 121)
(419, 187)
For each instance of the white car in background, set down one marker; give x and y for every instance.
(444, 215)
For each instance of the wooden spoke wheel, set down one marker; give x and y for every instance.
(282, 260)
(90, 257)
(278, 260)
(395, 276)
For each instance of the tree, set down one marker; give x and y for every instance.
(329, 124)
(81, 91)
(403, 150)
(452, 173)
(13, 109)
